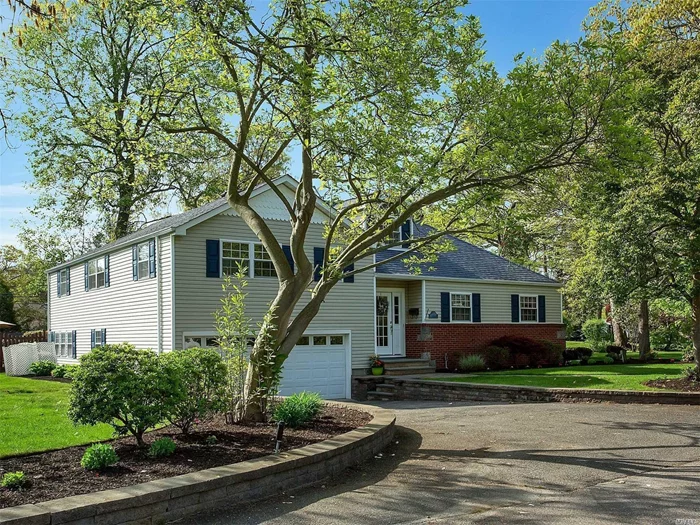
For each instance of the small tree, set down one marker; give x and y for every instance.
(597, 334)
(129, 389)
(234, 331)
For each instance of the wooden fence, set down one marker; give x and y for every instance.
(13, 338)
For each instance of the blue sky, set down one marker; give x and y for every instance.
(509, 26)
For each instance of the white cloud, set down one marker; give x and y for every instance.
(16, 189)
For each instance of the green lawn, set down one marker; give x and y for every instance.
(33, 418)
(612, 377)
(631, 355)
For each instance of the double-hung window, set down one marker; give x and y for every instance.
(63, 284)
(63, 343)
(142, 259)
(96, 273)
(528, 308)
(233, 256)
(461, 307)
(252, 256)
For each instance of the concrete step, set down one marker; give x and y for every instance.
(386, 387)
(405, 363)
(380, 396)
(408, 370)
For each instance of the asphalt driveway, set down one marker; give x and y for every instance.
(510, 463)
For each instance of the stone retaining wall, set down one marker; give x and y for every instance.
(169, 499)
(420, 389)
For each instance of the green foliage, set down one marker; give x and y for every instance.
(471, 363)
(15, 481)
(597, 334)
(607, 360)
(129, 389)
(211, 440)
(233, 328)
(67, 371)
(496, 357)
(42, 368)
(202, 374)
(7, 304)
(99, 456)
(162, 447)
(691, 373)
(298, 409)
(575, 362)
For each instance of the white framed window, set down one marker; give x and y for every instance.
(262, 263)
(142, 260)
(398, 235)
(460, 307)
(98, 337)
(201, 341)
(96, 273)
(63, 284)
(252, 256)
(234, 254)
(528, 308)
(63, 344)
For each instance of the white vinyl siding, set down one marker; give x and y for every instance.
(495, 298)
(127, 309)
(349, 306)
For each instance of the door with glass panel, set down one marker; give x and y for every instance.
(390, 324)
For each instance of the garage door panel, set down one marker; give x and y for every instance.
(319, 369)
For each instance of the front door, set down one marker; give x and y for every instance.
(390, 324)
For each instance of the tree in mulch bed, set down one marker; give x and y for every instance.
(132, 390)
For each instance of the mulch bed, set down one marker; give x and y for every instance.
(58, 474)
(679, 385)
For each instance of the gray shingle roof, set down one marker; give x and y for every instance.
(161, 226)
(465, 262)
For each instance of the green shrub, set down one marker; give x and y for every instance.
(552, 354)
(298, 409)
(211, 440)
(692, 373)
(607, 360)
(15, 481)
(162, 447)
(593, 361)
(41, 368)
(98, 457)
(496, 357)
(597, 333)
(523, 350)
(575, 362)
(66, 371)
(471, 363)
(129, 389)
(202, 374)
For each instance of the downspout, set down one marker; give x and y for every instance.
(159, 301)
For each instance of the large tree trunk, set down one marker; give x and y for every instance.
(644, 344)
(618, 332)
(695, 310)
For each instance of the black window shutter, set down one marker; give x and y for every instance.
(92, 338)
(135, 262)
(288, 254)
(104, 336)
(213, 258)
(58, 283)
(318, 262)
(476, 308)
(52, 337)
(152, 258)
(107, 270)
(515, 308)
(541, 314)
(86, 277)
(445, 314)
(406, 232)
(67, 281)
(349, 278)
(75, 344)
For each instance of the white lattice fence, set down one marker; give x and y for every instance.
(19, 357)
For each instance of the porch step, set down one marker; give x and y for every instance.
(386, 387)
(409, 370)
(380, 396)
(402, 362)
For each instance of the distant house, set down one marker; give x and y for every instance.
(158, 287)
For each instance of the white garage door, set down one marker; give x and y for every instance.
(317, 364)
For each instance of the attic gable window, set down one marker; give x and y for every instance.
(403, 233)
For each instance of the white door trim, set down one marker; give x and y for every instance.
(401, 292)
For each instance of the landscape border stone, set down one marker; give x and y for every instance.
(169, 499)
(420, 389)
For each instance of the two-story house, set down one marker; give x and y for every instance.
(159, 287)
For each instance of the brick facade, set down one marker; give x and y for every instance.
(455, 339)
